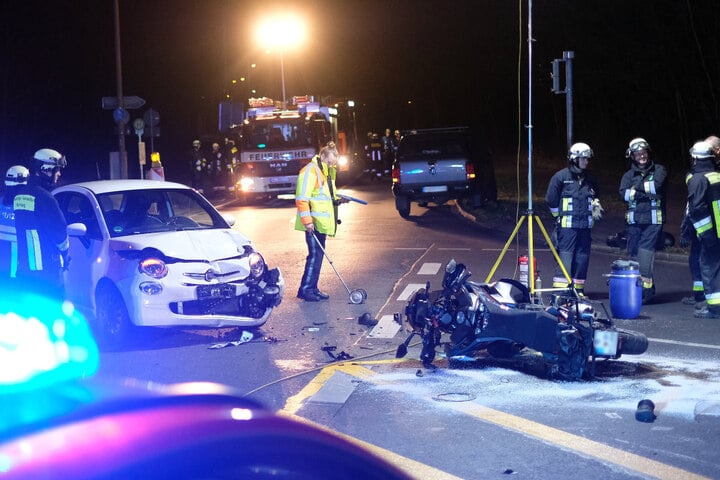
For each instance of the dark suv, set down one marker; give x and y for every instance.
(441, 164)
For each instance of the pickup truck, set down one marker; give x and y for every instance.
(438, 165)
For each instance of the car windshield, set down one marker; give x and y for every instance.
(277, 133)
(159, 210)
(433, 145)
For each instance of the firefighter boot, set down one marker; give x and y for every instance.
(648, 290)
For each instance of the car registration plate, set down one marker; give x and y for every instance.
(221, 290)
(605, 343)
(435, 188)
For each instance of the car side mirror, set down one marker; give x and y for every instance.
(229, 219)
(76, 230)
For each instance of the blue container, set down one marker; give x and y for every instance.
(625, 289)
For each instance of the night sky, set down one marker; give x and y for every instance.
(642, 68)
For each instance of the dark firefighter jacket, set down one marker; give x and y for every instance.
(704, 202)
(569, 197)
(41, 234)
(644, 192)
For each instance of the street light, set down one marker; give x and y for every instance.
(281, 33)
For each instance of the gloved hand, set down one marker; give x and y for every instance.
(684, 241)
(65, 259)
(597, 209)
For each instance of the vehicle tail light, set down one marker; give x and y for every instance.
(396, 174)
(469, 171)
(153, 267)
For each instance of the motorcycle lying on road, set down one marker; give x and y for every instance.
(500, 319)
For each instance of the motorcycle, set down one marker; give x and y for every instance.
(501, 319)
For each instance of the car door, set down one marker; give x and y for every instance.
(86, 251)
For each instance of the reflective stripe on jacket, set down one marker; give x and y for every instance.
(570, 197)
(644, 192)
(313, 200)
(41, 231)
(704, 200)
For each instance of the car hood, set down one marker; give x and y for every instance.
(211, 244)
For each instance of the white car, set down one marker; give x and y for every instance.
(151, 253)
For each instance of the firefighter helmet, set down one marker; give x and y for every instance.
(47, 159)
(579, 150)
(16, 175)
(636, 145)
(702, 151)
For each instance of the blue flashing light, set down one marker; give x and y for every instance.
(43, 342)
(261, 145)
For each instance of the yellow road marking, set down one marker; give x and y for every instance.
(549, 435)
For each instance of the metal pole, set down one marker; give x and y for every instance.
(121, 102)
(529, 125)
(568, 56)
(531, 254)
(282, 73)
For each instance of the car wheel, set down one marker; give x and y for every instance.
(402, 204)
(112, 321)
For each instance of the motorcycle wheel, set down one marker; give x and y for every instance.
(632, 343)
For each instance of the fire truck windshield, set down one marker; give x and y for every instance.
(277, 133)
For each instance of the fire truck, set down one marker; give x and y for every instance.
(276, 142)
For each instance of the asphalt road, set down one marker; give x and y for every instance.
(485, 421)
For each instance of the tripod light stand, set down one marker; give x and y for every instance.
(530, 215)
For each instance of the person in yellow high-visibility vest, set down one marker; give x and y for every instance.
(317, 201)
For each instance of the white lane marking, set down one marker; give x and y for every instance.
(409, 290)
(687, 344)
(429, 269)
(386, 327)
(337, 389)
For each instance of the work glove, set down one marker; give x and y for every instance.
(597, 209)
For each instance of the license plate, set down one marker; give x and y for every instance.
(221, 290)
(277, 180)
(605, 343)
(436, 188)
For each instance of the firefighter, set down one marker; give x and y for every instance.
(14, 177)
(688, 237)
(41, 229)
(198, 167)
(572, 199)
(317, 204)
(642, 187)
(704, 212)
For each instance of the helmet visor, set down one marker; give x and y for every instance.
(639, 145)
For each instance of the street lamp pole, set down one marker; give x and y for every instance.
(282, 74)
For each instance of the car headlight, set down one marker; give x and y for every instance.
(246, 183)
(153, 267)
(257, 265)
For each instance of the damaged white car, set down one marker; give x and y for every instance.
(149, 253)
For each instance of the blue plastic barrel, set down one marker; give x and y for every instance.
(625, 289)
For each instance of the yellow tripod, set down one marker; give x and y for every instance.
(531, 252)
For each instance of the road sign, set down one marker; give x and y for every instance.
(152, 118)
(130, 103)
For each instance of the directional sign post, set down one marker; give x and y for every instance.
(129, 103)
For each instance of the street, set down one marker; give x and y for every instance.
(316, 361)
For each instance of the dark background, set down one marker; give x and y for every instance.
(642, 68)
